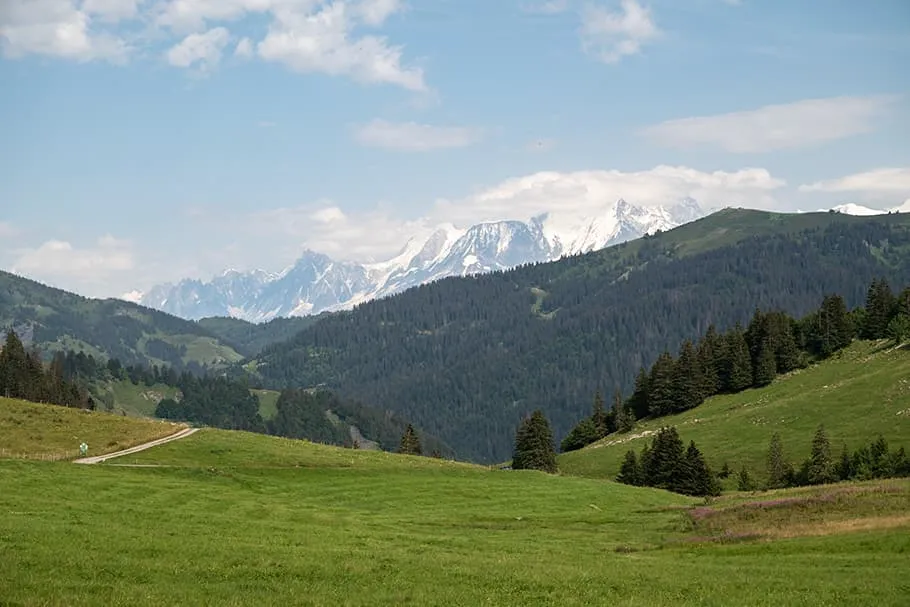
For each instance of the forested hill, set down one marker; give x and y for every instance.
(56, 320)
(248, 338)
(467, 358)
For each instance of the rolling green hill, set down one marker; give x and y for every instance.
(56, 320)
(49, 432)
(861, 393)
(467, 358)
(235, 518)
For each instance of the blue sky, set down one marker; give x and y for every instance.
(150, 140)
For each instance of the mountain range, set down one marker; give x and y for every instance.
(318, 283)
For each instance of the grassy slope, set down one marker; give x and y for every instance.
(861, 393)
(66, 320)
(139, 399)
(247, 519)
(34, 431)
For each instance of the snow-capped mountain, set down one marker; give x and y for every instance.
(857, 209)
(317, 283)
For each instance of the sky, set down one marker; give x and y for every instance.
(144, 141)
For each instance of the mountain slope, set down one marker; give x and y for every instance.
(466, 358)
(316, 283)
(55, 320)
(248, 338)
(861, 393)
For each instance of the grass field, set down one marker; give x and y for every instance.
(29, 430)
(139, 399)
(237, 519)
(268, 402)
(862, 393)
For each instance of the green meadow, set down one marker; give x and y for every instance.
(227, 518)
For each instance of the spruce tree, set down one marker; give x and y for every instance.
(534, 445)
(688, 381)
(844, 469)
(709, 355)
(630, 471)
(776, 466)
(584, 433)
(625, 419)
(820, 469)
(744, 480)
(880, 306)
(765, 368)
(661, 392)
(599, 416)
(665, 459)
(737, 364)
(639, 401)
(695, 477)
(898, 329)
(410, 442)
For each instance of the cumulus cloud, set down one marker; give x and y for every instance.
(324, 41)
(547, 7)
(609, 36)
(60, 28)
(62, 264)
(413, 137)
(877, 181)
(201, 50)
(773, 127)
(379, 233)
(304, 35)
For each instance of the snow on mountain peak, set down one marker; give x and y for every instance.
(315, 282)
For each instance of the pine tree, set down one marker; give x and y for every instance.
(765, 369)
(844, 469)
(584, 433)
(625, 419)
(777, 467)
(639, 402)
(661, 392)
(736, 364)
(880, 307)
(665, 459)
(599, 416)
(710, 350)
(688, 381)
(694, 476)
(830, 329)
(630, 471)
(410, 442)
(534, 445)
(744, 480)
(820, 468)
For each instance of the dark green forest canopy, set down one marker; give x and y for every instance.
(467, 358)
(249, 338)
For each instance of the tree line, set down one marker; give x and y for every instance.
(773, 343)
(23, 375)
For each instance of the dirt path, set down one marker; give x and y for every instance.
(101, 458)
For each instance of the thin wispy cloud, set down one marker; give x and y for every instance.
(774, 127)
(610, 36)
(414, 137)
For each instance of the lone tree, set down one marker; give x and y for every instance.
(777, 467)
(410, 442)
(534, 445)
(821, 467)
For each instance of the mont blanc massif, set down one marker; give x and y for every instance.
(317, 283)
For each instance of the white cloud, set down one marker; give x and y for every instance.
(379, 233)
(189, 16)
(877, 181)
(324, 42)
(547, 7)
(375, 12)
(413, 137)
(112, 10)
(8, 230)
(55, 28)
(244, 48)
(86, 269)
(203, 49)
(610, 36)
(773, 127)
